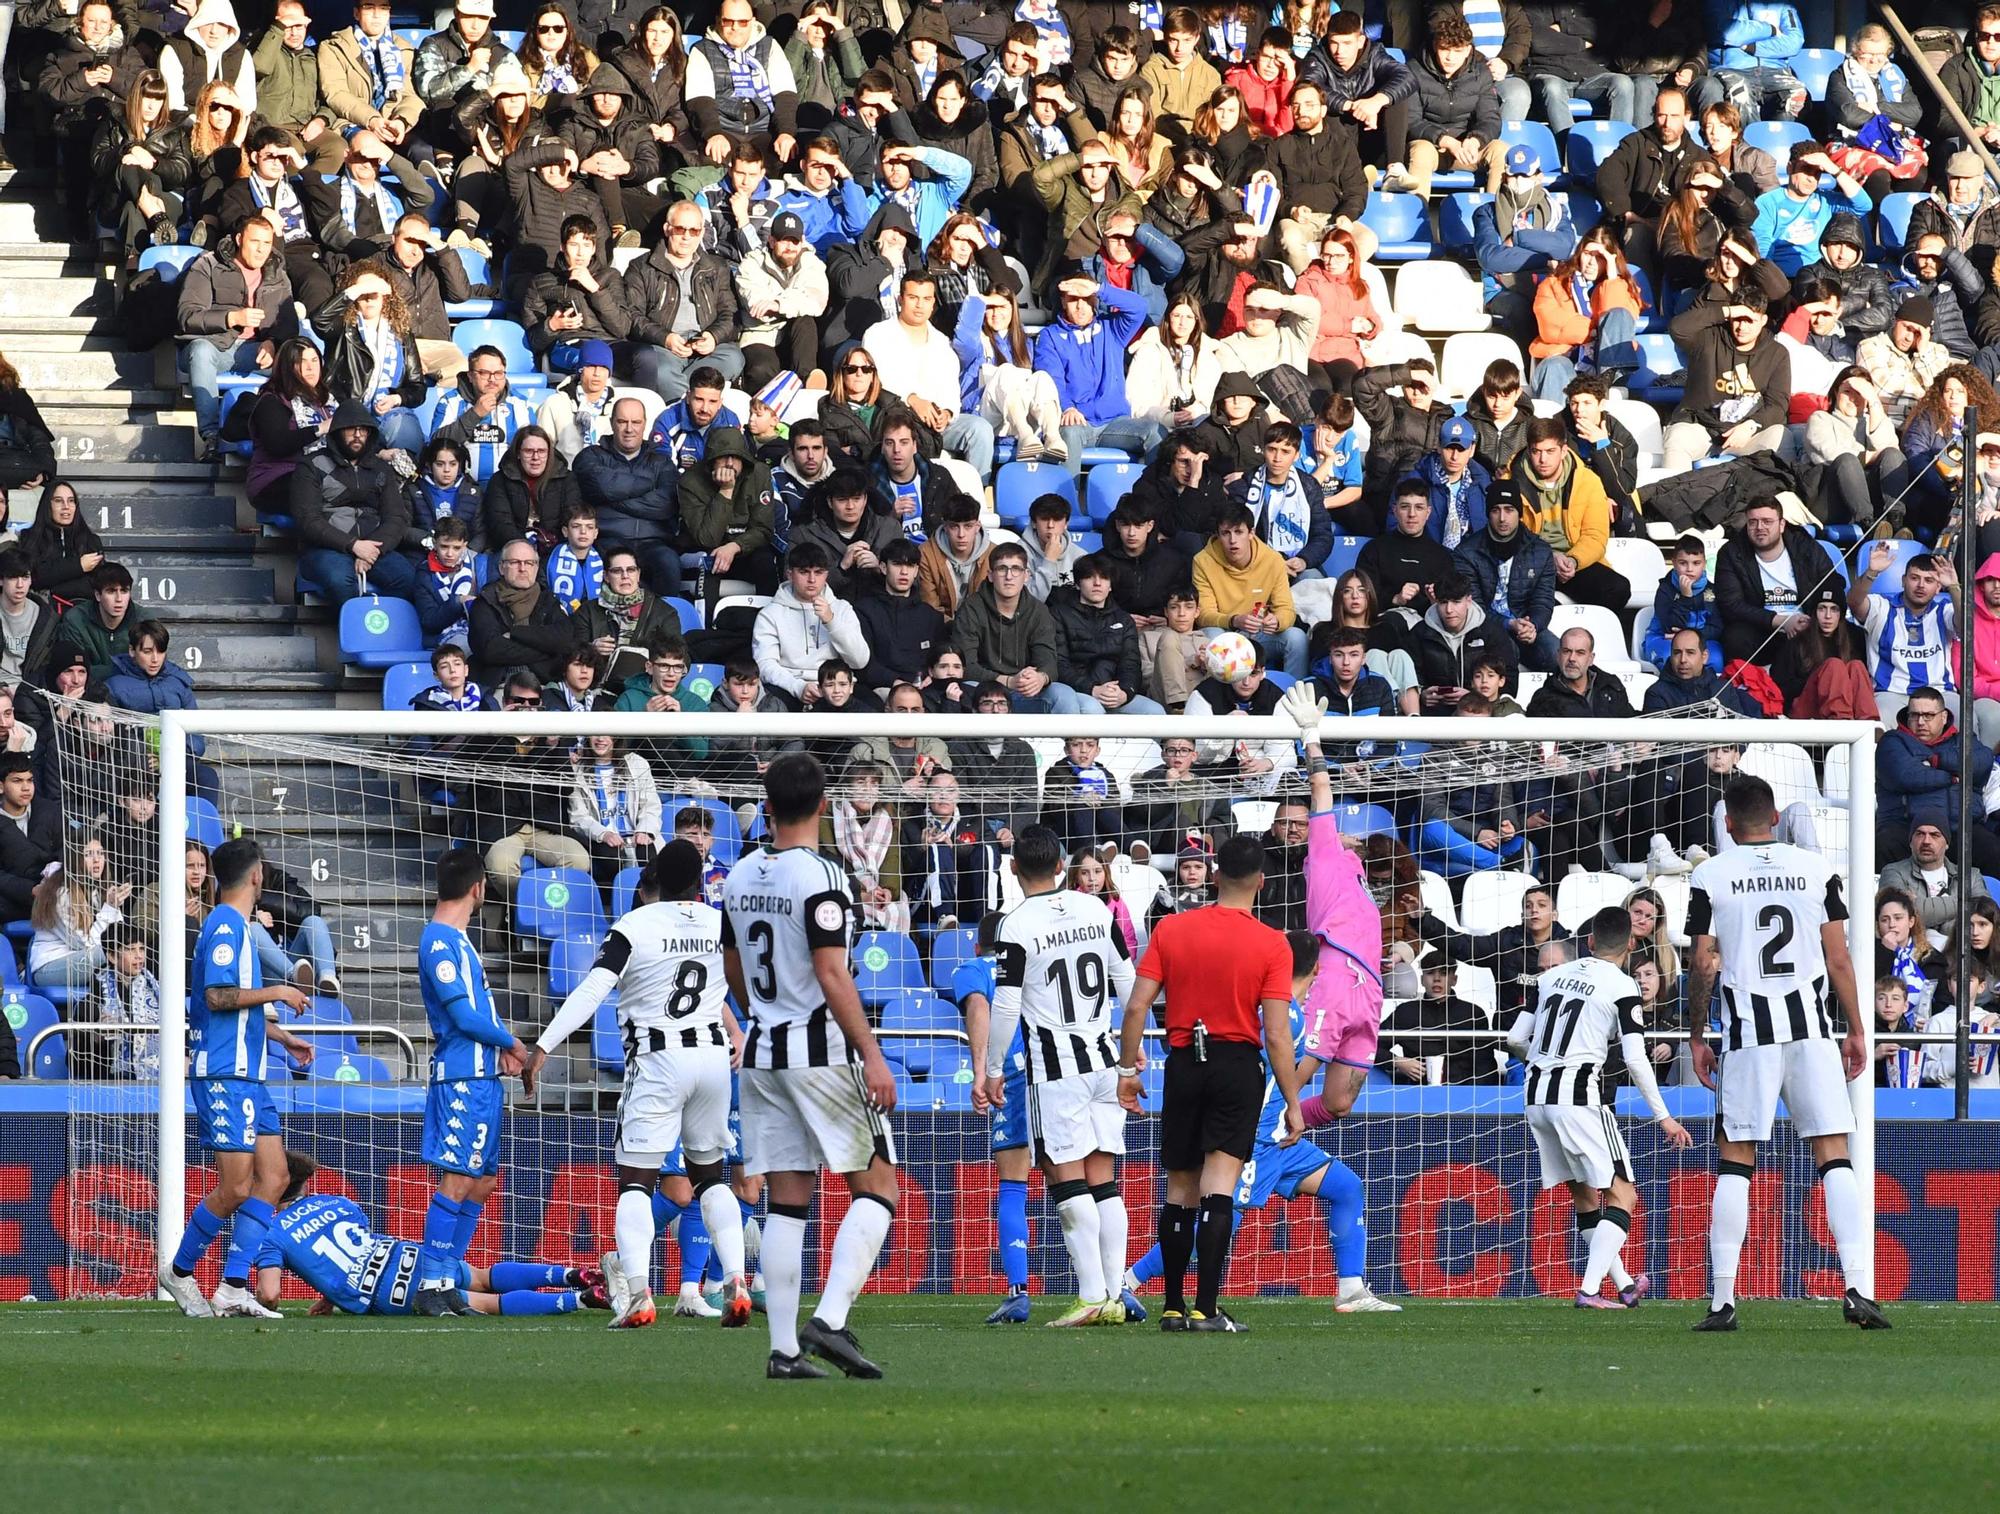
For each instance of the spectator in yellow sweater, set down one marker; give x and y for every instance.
(1242, 586)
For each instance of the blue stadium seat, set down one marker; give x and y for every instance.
(569, 962)
(950, 948)
(1658, 357)
(1019, 485)
(171, 262)
(921, 1010)
(687, 609)
(1588, 144)
(1839, 559)
(1104, 487)
(722, 820)
(607, 1044)
(1346, 552)
(404, 681)
(510, 40)
(30, 1015)
(1398, 220)
(1654, 319)
(1539, 137)
(886, 966)
(1278, 678)
(1455, 219)
(1814, 67)
(625, 891)
(554, 902)
(10, 969)
(1776, 137)
(349, 1067)
(379, 632)
(1364, 820)
(1895, 218)
(705, 678)
(1088, 541)
(231, 398)
(477, 272)
(1900, 552)
(508, 336)
(204, 824)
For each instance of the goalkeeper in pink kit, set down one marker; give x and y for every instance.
(1344, 1009)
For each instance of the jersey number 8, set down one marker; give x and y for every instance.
(690, 982)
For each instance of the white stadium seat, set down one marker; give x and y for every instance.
(1602, 625)
(1467, 355)
(1492, 901)
(1441, 297)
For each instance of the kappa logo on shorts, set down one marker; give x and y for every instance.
(458, 1106)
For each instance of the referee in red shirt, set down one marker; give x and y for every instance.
(1224, 972)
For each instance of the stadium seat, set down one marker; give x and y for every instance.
(886, 966)
(1839, 560)
(1638, 682)
(1345, 554)
(508, 336)
(607, 1042)
(204, 824)
(1105, 486)
(687, 609)
(1581, 895)
(554, 902)
(1476, 985)
(1363, 820)
(1492, 901)
(1901, 550)
(1441, 296)
(1455, 218)
(1254, 815)
(1642, 622)
(349, 1067)
(625, 891)
(403, 682)
(921, 1010)
(1788, 768)
(1435, 892)
(1814, 67)
(1400, 223)
(728, 845)
(30, 1015)
(379, 632)
(1894, 228)
(1088, 542)
(1659, 360)
(1466, 356)
(479, 307)
(1643, 421)
(1538, 136)
(1776, 137)
(1019, 485)
(1642, 563)
(1602, 624)
(170, 262)
(704, 678)
(1837, 780)
(1587, 145)
(950, 948)
(569, 963)
(962, 473)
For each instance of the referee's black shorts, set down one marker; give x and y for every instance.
(1210, 1106)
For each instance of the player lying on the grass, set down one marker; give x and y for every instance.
(1058, 958)
(1564, 1037)
(664, 960)
(327, 1241)
(1300, 1170)
(1767, 919)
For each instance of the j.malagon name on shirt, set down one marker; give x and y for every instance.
(1076, 936)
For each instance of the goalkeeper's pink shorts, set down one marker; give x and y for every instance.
(1343, 1011)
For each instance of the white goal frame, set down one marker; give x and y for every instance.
(178, 726)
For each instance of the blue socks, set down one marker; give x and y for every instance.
(696, 1247)
(538, 1303)
(439, 1262)
(509, 1277)
(202, 1229)
(469, 1212)
(1010, 1214)
(1346, 1226)
(665, 1212)
(246, 1239)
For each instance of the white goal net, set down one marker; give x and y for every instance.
(1464, 841)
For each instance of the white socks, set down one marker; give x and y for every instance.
(855, 1247)
(1728, 1223)
(1607, 1238)
(633, 1226)
(1843, 1218)
(784, 1266)
(1113, 1229)
(719, 1212)
(1078, 1213)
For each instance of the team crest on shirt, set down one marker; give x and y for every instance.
(447, 972)
(830, 915)
(223, 955)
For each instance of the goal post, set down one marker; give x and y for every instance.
(1410, 1145)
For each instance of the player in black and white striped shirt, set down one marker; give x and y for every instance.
(1766, 918)
(1565, 1038)
(815, 1089)
(664, 960)
(1058, 958)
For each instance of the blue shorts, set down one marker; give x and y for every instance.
(462, 1126)
(234, 1112)
(1010, 1126)
(1280, 1170)
(396, 1290)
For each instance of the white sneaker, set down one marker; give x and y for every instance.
(616, 1283)
(186, 1292)
(691, 1305)
(1634, 871)
(329, 985)
(1396, 179)
(1696, 855)
(233, 1302)
(1664, 860)
(1364, 1301)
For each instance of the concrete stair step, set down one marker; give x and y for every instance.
(257, 681)
(70, 365)
(28, 299)
(32, 259)
(269, 699)
(120, 515)
(164, 583)
(56, 323)
(102, 438)
(105, 399)
(208, 655)
(229, 619)
(71, 334)
(168, 548)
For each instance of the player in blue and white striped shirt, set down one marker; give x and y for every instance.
(471, 1050)
(228, 1039)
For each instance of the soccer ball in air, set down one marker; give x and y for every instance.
(1230, 656)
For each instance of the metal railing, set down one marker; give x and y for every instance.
(127, 1028)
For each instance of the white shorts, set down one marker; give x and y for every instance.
(1074, 1116)
(804, 1118)
(1579, 1144)
(1807, 1073)
(676, 1097)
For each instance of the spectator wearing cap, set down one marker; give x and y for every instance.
(1928, 875)
(1458, 483)
(1083, 351)
(1513, 572)
(577, 411)
(1966, 311)
(480, 413)
(1965, 212)
(1288, 503)
(1791, 217)
(781, 287)
(1903, 362)
(1517, 236)
(455, 63)
(1739, 381)
(352, 514)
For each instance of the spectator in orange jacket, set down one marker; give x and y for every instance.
(1587, 312)
(1265, 82)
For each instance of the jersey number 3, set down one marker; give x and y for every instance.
(764, 972)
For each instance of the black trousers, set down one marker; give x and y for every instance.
(796, 348)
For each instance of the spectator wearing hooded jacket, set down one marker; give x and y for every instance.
(1513, 573)
(351, 512)
(1965, 315)
(728, 513)
(805, 624)
(209, 47)
(615, 152)
(1867, 302)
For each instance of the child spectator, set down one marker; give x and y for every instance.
(1051, 554)
(1170, 654)
(1338, 466)
(1080, 797)
(442, 489)
(736, 760)
(1685, 601)
(1409, 1056)
(448, 583)
(1090, 874)
(836, 697)
(129, 994)
(770, 438)
(576, 567)
(69, 925)
(454, 689)
(944, 684)
(581, 687)
(1898, 1064)
(614, 808)
(696, 826)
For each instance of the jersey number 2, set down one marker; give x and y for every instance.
(1778, 920)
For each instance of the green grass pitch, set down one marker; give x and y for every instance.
(1449, 1406)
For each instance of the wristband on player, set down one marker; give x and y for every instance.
(1315, 760)
(1126, 1072)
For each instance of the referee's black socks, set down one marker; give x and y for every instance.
(1175, 1234)
(1212, 1250)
